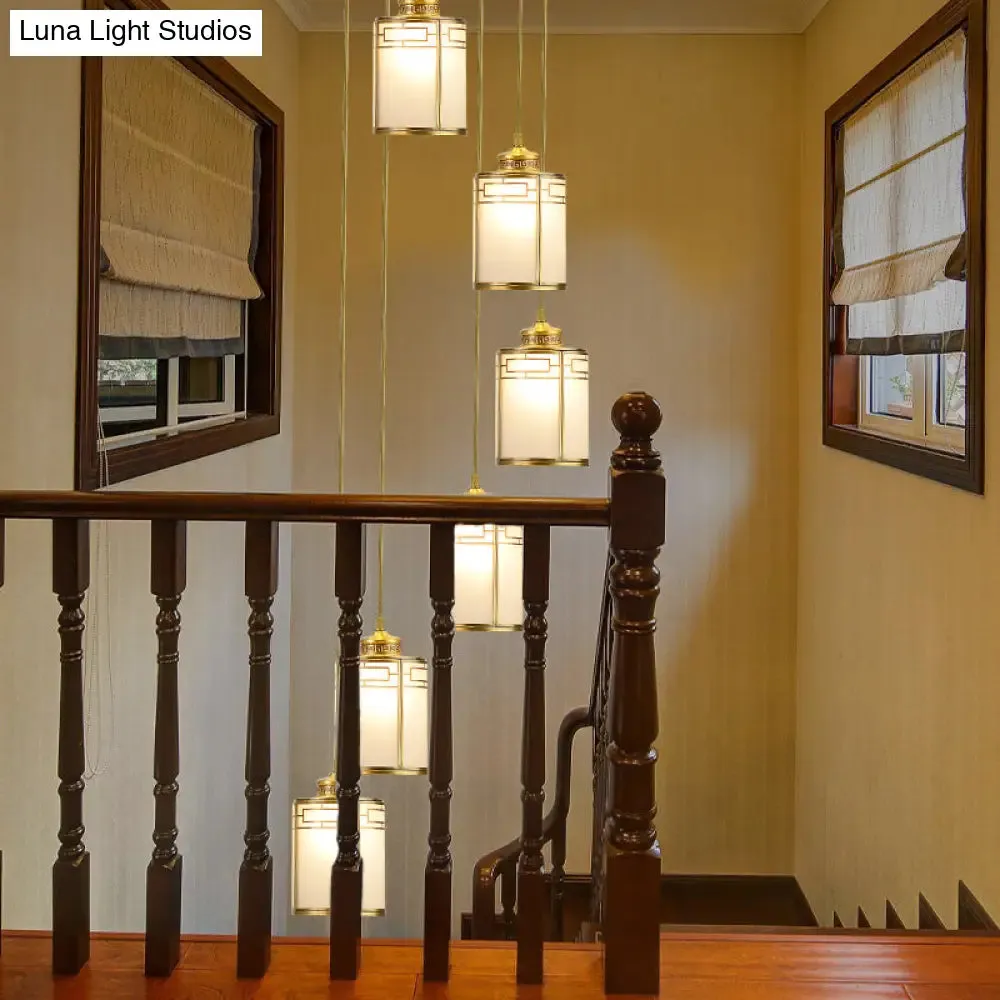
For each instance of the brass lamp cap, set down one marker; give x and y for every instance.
(381, 643)
(419, 8)
(327, 787)
(519, 159)
(542, 334)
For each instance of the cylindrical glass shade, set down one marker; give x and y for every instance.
(489, 565)
(519, 240)
(419, 73)
(543, 402)
(394, 708)
(314, 850)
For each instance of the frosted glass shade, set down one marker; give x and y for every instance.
(394, 708)
(520, 231)
(419, 76)
(489, 565)
(314, 850)
(543, 401)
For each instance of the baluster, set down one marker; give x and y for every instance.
(508, 899)
(2, 560)
(530, 874)
(437, 876)
(253, 943)
(632, 881)
(348, 870)
(168, 578)
(71, 871)
(558, 881)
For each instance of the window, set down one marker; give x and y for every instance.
(181, 250)
(905, 235)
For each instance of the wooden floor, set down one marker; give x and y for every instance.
(695, 966)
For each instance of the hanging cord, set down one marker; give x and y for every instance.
(380, 620)
(545, 115)
(342, 442)
(344, 153)
(98, 679)
(519, 123)
(476, 405)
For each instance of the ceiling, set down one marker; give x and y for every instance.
(590, 16)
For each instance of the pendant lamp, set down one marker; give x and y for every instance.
(519, 238)
(543, 401)
(393, 707)
(489, 558)
(489, 563)
(314, 850)
(419, 72)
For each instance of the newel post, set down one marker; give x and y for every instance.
(632, 852)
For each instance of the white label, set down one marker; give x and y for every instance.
(136, 33)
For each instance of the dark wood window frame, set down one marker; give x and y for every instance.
(263, 326)
(841, 372)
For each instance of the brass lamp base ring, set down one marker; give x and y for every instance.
(397, 771)
(326, 913)
(421, 131)
(543, 462)
(485, 286)
(489, 628)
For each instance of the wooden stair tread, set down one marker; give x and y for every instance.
(694, 966)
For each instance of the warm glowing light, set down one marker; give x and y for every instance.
(488, 572)
(420, 68)
(543, 401)
(314, 850)
(520, 225)
(393, 708)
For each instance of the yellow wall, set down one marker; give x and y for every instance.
(39, 185)
(682, 157)
(898, 745)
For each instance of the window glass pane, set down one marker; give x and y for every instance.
(130, 382)
(202, 380)
(891, 387)
(951, 390)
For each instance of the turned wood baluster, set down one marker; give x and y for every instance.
(508, 899)
(437, 876)
(71, 871)
(253, 942)
(168, 578)
(348, 870)
(632, 866)
(530, 873)
(2, 559)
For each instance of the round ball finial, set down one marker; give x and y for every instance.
(636, 415)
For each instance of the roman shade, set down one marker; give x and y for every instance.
(179, 178)
(900, 215)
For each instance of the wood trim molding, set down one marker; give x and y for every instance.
(893, 921)
(972, 915)
(928, 919)
(263, 336)
(840, 373)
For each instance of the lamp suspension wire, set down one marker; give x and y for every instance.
(342, 424)
(380, 620)
(519, 122)
(344, 156)
(481, 50)
(545, 118)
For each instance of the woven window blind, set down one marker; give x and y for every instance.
(900, 229)
(179, 185)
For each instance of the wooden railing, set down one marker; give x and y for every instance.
(634, 513)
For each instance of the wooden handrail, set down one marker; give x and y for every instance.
(308, 507)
